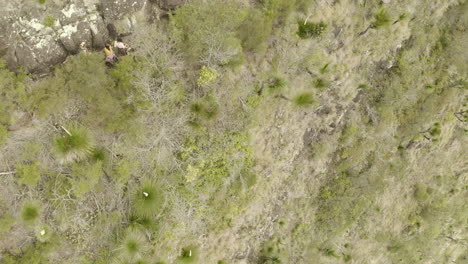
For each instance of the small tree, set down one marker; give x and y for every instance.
(147, 199)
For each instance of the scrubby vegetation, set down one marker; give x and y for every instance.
(270, 131)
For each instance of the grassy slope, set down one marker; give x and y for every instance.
(365, 175)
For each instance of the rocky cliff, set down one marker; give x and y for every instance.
(39, 34)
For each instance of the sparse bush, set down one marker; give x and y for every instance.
(49, 21)
(304, 99)
(41, 1)
(74, 145)
(3, 134)
(205, 36)
(310, 30)
(31, 211)
(254, 30)
(28, 174)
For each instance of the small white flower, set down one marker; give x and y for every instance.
(145, 194)
(42, 232)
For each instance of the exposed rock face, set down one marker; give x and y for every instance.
(37, 36)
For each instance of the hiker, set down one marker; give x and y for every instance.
(83, 47)
(110, 56)
(122, 49)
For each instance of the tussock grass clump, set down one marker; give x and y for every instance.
(188, 255)
(320, 83)
(276, 84)
(304, 99)
(310, 30)
(43, 233)
(31, 211)
(133, 245)
(206, 108)
(148, 199)
(381, 18)
(74, 145)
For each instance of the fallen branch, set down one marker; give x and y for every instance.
(7, 172)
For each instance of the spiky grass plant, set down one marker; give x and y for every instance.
(133, 245)
(304, 99)
(76, 144)
(148, 199)
(188, 255)
(43, 233)
(276, 84)
(381, 19)
(31, 212)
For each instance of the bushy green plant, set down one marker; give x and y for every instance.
(75, 144)
(205, 108)
(309, 29)
(6, 222)
(28, 174)
(207, 75)
(12, 93)
(31, 211)
(49, 21)
(85, 177)
(148, 199)
(304, 99)
(254, 30)
(41, 2)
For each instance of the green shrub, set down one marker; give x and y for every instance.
(310, 30)
(85, 177)
(205, 36)
(31, 211)
(28, 174)
(74, 145)
(304, 99)
(254, 30)
(49, 21)
(12, 94)
(148, 199)
(278, 10)
(205, 108)
(41, 2)
(6, 222)
(3, 134)
(207, 75)
(381, 18)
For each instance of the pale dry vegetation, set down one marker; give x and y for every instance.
(268, 131)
